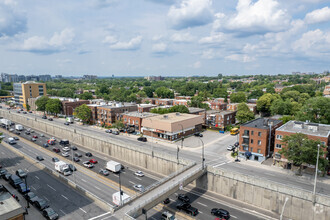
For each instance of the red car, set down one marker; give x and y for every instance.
(93, 161)
(56, 150)
(35, 136)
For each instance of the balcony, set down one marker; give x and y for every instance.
(246, 135)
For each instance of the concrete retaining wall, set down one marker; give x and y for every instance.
(265, 194)
(154, 161)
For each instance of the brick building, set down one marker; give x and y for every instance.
(171, 126)
(256, 138)
(145, 107)
(180, 102)
(326, 91)
(68, 106)
(232, 106)
(253, 108)
(219, 119)
(163, 102)
(134, 119)
(313, 131)
(218, 104)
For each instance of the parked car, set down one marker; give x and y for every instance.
(31, 197)
(104, 172)
(183, 198)
(16, 138)
(42, 135)
(27, 132)
(40, 158)
(72, 167)
(18, 132)
(167, 216)
(107, 131)
(15, 180)
(88, 164)
(49, 213)
(198, 134)
(115, 132)
(22, 188)
(89, 154)
(33, 139)
(77, 154)
(143, 139)
(139, 187)
(3, 172)
(55, 159)
(65, 154)
(76, 159)
(66, 123)
(231, 147)
(50, 119)
(139, 173)
(11, 129)
(221, 213)
(41, 204)
(187, 208)
(7, 176)
(74, 148)
(45, 145)
(24, 112)
(20, 173)
(57, 150)
(66, 148)
(64, 142)
(93, 161)
(167, 201)
(44, 117)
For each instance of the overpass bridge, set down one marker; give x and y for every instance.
(156, 195)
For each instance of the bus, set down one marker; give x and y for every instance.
(234, 131)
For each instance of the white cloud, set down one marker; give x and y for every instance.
(213, 39)
(197, 65)
(159, 48)
(133, 44)
(12, 21)
(157, 37)
(182, 37)
(208, 54)
(256, 18)
(110, 40)
(103, 3)
(318, 16)
(57, 43)
(190, 13)
(240, 58)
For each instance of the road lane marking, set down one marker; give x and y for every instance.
(84, 180)
(219, 165)
(46, 198)
(37, 177)
(82, 210)
(97, 187)
(62, 211)
(65, 197)
(3, 153)
(138, 178)
(132, 182)
(33, 188)
(51, 187)
(100, 216)
(201, 204)
(233, 216)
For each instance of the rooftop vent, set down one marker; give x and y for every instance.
(165, 116)
(177, 113)
(298, 125)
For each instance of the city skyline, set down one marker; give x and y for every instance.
(164, 37)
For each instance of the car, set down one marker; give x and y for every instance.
(93, 161)
(49, 213)
(107, 131)
(44, 117)
(35, 136)
(74, 148)
(27, 132)
(230, 147)
(65, 154)
(22, 188)
(30, 196)
(40, 158)
(41, 204)
(187, 208)
(139, 173)
(33, 139)
(50, 119)
(183, 198)
(167, 216)
(51, 142)
(167, 201)
(55, 159)
(45, 145)
(24, 112)
(104, 172)
(11, 129)
(88, 154)
(66, 149)
(7, 176)
(57, 150)
(64, 142)
(18, 111)
(122, 167)
(139, 187)
(143, 139)
(30, 111)
(21, 173)
(77, 154)
(3, 172)
(66, 123)
(18, 132)
(32, 131)
(88, 164)
(221, 213)
(198, 134)
(15, 180)
(53, 138)
(12, 142)
(72, 167)
(115, 132)
(42, 135)
(76, 159)
(16, 138)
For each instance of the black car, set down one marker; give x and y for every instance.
(7, 176)
(55, 159)
(27, 133)
(66, 123)
(40, 158)
(50, 119)
(143, 139)
(22, 188)
(44, 117)
(31, 197)
(16, 138)
(221, 213)
(198, 134)
(41, 204)
(76, 159)
(183, 198)
(89, 154)
(167, 201)
(64, 142)
(14, 180)
(3, 172)
(45, 145)
(77, 154)
(24, 112)
(17, 132)
(72, 168)
(74, 148)
(187, 208)
(49, 213)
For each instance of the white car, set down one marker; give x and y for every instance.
(230, 147)
(65, 154)
(42, 135)
(139, 173)
(139, 187)
(66, 148)
(53, 138)
(67, 172)
(88, 164)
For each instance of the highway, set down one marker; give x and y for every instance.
(68, 203)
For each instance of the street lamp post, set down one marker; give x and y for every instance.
(74, 126)
(120, 192)
(286, 199)
(316, 169)
(203, 158)
(182, 138)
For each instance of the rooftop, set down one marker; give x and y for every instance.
(193, 110)
(174, 117)
(308, 128)
(118, 105)
(140, 114)
(9, 207)
(261, 123)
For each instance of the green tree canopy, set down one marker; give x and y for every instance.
(264, 103)
(316, 109)
(41, 103)
(238, 97)
(256, 94)
(86, 96)
(176, 108)
(164, 92)
(243, 113)
(84, 113)
(54, 106)
(220, 93)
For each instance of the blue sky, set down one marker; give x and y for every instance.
(164, 37)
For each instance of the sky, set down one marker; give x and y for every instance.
(164, 37)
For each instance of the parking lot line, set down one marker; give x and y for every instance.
(65, 197)
(51, 187)
(82, 210)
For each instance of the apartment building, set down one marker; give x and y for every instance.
(256, 138)
(218, 119)
(68, 106)
(145, 107)
(326, 91)
(232, 106)
(180, 102)
(134, 119)
(313, 131)
(29, 89)
(163, 102)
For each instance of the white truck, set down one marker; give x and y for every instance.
(116, 198)
(63, 168)
(5, 122)
(69, 119)
(113, 166)
(19, 127)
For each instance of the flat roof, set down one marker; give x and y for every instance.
(9, 207)
(261, 123)
(308, 128)
(195, 110)
(140, 114)
(120, 106)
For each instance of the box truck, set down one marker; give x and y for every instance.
(5, 122)
(124, 198)
(113, 166)
(63, 168)
(19, 127)
(69, 119)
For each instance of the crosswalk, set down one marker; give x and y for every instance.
(219, 162)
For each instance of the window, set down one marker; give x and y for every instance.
(259, 134)
(279, 146)
(251, 149)
(125, 119)
(259, 142)
(251, 141)
(252, 132)
(279, 137)
(137, 122)
(246, 132)
(245, 148)
(259, 151)
(323, 143)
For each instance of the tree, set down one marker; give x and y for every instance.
(86, 96)
(4, 93)
(83, 112)
(256, 94)
(281, 107)
(164, 92)
(54, 106)
(243, 113)
(238, 97)
(149, 91)
(299, 149)
(41, 103)
(118, 124)
(270, 89)
(316, 109)
(286, 118)
(28, 107)
(264, 103)
(220, 93)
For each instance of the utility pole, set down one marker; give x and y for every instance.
(316, 169)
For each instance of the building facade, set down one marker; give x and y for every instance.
(145, 107)
(134, 119)
(69, 106)
(256, 138)
(219, 119)
(163, 102)
(24, 91)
